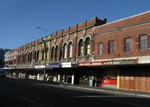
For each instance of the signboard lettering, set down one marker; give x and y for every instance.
(111, 62)
(67, 64)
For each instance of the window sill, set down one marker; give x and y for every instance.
(127, 52)
(100, 55)
(143, 51)
(111, 54)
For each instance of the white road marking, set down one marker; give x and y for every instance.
(28, 99)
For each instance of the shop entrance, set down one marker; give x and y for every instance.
(110, 78)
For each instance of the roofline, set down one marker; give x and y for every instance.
(124, 18)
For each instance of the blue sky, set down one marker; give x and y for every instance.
(19, 18)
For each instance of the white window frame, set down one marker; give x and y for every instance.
(143, 42)
(100, 48)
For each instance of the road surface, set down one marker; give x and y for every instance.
(31, 93)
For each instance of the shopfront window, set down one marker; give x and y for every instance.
(110, 75)
(84, 78)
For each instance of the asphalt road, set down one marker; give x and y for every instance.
(29, 93)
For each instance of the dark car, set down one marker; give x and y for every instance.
(2, 74)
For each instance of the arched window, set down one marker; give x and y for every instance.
(87, 42)
(56, 52)
(42, 54)
(25, 56)
(70, 49)
(19, 59)
(30, 56)
(81, 47)
(37, 57)
(52, 53)
(46, 52)
(65, 50)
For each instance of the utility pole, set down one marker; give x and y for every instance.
(41, 28)
(44, 42)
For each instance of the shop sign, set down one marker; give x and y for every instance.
(120, 62)
(66, 64)
(40, 66)
(21, 67)
(25, 67)
(90, 63)
(112, 62)
(30, 66)
(52, 66)
(9, 67)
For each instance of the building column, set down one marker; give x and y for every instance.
(72, 79)
(58, 78)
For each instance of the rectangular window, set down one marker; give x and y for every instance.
(143, 42)
(127, 43)
(111, 47)
(100, 48)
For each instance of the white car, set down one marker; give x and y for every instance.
(2, 74)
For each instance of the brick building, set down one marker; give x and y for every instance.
(95, 53)
(121, 53)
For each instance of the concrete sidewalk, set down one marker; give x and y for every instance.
(109, 90)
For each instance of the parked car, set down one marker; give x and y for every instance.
(2, 74)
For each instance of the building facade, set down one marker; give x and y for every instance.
(2, 60)
(95, 53)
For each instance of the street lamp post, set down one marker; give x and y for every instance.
(41, 28)
(44, 42)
